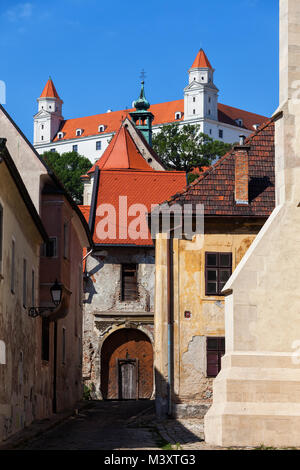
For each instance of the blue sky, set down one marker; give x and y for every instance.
(95, 51)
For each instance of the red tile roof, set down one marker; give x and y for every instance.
(140, 187)
(49, 91)
(215, 187)
(122, 153)
(163, 113)
(201, 61)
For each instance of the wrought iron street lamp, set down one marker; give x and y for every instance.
(56, 295)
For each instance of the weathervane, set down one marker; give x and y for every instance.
(143, 74)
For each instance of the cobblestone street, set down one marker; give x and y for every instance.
(113, 425)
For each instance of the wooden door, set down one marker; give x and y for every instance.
(128, 379)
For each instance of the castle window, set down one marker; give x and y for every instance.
(42, 137)
(50, 107)
(215, 349)
(221, 133)
(60, 135)
(52, 150)
(178, 115)
(42, 126)
(239, 122)
(194, 99)
(194, 111)
(209, 99)
(78, 132)
(98, 145)
(101, 128)
(209, 112)
(74, 148)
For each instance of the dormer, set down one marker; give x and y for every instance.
(178, 115)
(79, 132)
(101, 128)
(60, 135)
(239, 122)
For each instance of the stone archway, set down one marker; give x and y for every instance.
(127, 365)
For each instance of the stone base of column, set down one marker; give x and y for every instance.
(256, 401)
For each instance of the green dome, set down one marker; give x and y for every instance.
(142, 104)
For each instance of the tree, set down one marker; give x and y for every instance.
(185, 148)
(68, 167)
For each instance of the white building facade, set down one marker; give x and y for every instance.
(90, 136)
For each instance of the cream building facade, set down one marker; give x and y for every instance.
(256, 395)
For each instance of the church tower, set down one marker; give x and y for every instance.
(201, 95)
(49, 116)
(143, 118)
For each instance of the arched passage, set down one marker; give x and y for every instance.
(127, 365)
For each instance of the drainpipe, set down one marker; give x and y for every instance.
(170, 322)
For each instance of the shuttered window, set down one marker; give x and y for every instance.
(218, 269)
(129, 287)
(215, 349)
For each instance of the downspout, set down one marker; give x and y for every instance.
(170, 322)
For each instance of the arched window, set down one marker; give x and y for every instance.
(79, 132)
(101, 128)
(60, 135)
(178, 115)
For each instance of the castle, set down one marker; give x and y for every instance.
(91, 135)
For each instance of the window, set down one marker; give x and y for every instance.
(215, 349)
(101, 128)
(209, 112)
(209, 99)
(50, 107)
(63, 345)
(98, 145)
(178, 115)
(75, 148)
(45, 339)
(42, 137)
(239, 122)
(49, 249)
(24, 283)
(194, 99)
(13, 255)
(210, 131)
(78, 132)
(32, 288)
(218, 268)
(42, 126)
(194, 111)
(221, 133)
(60, 135)
(1, 236)
(66, 240)
(129, 287)
(52, 150)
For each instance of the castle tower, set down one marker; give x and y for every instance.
(142, 117)
(201, 95)
(49, 116)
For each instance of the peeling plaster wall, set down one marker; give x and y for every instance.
(17, 329)
(105, 313)
(192, 388)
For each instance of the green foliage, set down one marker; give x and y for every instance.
(184, 147)
(86, 393)
(68, 167)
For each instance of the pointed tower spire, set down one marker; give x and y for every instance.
(49, 116)
(201, 61)
(49, 90)
(143, 118)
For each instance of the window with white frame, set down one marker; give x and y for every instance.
(79, 132)
(98, 145)
(60, 135)
(101, 128)
(178, 115)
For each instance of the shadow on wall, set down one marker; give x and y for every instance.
(89, 284)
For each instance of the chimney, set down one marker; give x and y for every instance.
(241, 183)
